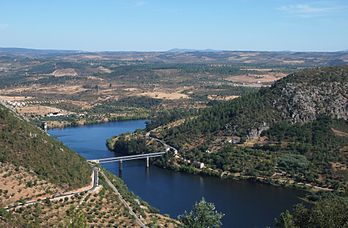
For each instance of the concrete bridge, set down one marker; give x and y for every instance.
(120, 159)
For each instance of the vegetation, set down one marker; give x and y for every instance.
(270, 145)
(129, 146)
(23, 144)
(75, 218)
(238, 117)
(330, 212)
(203, 215)
(163, 117)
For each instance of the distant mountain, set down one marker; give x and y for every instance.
(192, 50)
(35, 52)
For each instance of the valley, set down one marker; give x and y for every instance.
(244, 118)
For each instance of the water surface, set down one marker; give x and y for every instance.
(244, 204)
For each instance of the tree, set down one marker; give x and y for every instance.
(75, 218)
(286, 220)
(203, 215)
(330, 212)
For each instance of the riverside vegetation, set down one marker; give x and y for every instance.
(36, 168)
(293, 134)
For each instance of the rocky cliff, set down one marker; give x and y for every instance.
(304, 100)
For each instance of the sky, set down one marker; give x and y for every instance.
(159, 25)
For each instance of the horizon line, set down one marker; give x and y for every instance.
(171, 50)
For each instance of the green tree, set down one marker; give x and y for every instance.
(286, 220)
(203, 215)
(75, 219)
(330, 212)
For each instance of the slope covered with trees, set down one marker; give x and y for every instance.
(23, 144)
(293, 133)
(298, 98)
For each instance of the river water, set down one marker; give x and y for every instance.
(244, 204)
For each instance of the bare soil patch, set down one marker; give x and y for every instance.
(65, 72)
(221, 98)
(259, 79)
(15, 98)
(165, 95)
(339, 133)
(40, 110)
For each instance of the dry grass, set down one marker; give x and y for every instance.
(54, 89)
(165, 95)
(221, 98)
(101, 209)
(64, 72)
(260, 79)
(339, 133)
(39, 110)
(14, 98)
(18, 183)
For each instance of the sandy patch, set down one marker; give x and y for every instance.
(60, 89)
(165, 95)
(82, 104)
(131, 89)
(259, 79)
(221, 98)
(339, 133)
(65, 72)
(293, 61)
(104, 70)
(259, 69)
(94, 78)
(40, 110)
(14, 98)
(96, 57)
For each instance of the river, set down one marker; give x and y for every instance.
(244, 204)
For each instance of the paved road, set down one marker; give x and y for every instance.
(161, 141)
(94, 183)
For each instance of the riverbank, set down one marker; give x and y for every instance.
(57, 124)
(131, 142)
(283, 183)
(245, 204)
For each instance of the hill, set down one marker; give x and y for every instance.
(23, 144)
(44, 184)
(298, 98)
(292, 133)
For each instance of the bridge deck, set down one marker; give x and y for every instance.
(127, 158)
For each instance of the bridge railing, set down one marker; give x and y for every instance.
(127, 158)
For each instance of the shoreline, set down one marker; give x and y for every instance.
(281, 183)
(258, 180)
(72, 125)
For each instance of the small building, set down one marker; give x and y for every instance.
(199, 165)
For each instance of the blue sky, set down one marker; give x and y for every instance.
(145, 25)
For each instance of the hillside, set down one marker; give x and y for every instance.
(299, 98)
(44, 184)
(293, 133)
(23, 144)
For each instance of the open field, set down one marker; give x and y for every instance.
(103, 86)
(165, 95)
(265, 79)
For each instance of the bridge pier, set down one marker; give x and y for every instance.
(120, 168)
(147, 162)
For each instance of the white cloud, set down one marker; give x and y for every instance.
(311, 10)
